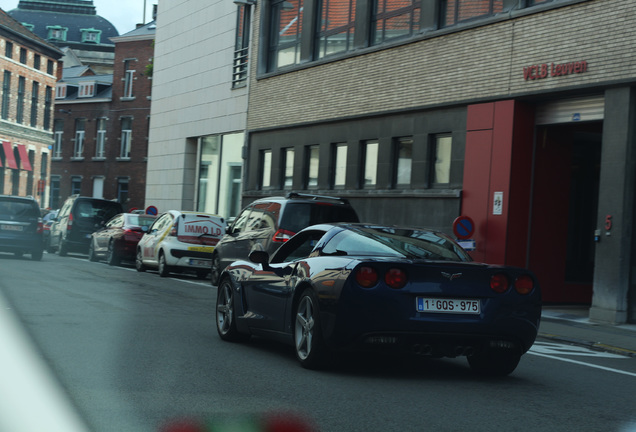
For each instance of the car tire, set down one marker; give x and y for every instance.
(112, 257)
(215, 270)
(226, 313)
(311, 350)
(62, 248)
(139, 264)
(162, 267)
(494, 362)
(92, 256)
(36, 255)
(48, 247)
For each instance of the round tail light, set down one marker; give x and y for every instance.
(524, 284)
(396, 278)
(499, 282)
(366, 277)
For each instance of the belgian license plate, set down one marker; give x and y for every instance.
(200, 262)
(446, 305)
(11, 227)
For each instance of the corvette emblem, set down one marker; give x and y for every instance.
(451, 276)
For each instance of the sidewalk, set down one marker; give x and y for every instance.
(571, 324)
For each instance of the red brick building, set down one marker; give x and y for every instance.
(29, 67)
(101, 126)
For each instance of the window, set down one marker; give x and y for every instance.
(241, 46)
(311, 167)
(336, 25)
(56, 33)
(23, 55)
(403, 161)
(122, 190)
(370, 164)
(48, 94)
(457, 11)
(86, 90)
(234, 197)
(80, 125)
(126, 137)
(60, 91)
(441, 159)
(35, 90)
(54, 199)
(100, 138)
(91, 35)
(49, 67)
(15, 174)
(395, 19)
(8, 50)
(266, 168)
(339, 166)
(76, 185)
(57, 138)
(288, 164)
(19, 112)
(129, 75)
(31, 156)
(284, 44)
(37, 59)
(6, 94)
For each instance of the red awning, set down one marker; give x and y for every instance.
(9, 156)
(24, 157)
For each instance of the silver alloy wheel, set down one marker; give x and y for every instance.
(304, 332)
(139, 263)
(224, 309)
(162, 267)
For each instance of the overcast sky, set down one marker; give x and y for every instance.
(123, 14)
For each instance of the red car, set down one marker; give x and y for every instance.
(118, 239)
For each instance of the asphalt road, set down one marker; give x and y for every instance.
(134, 351)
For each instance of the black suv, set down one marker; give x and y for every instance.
(77, 219)
(272, 221)
(20, 226)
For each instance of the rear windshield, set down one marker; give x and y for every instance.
(140, 220)
(96, 209)
(299, 215)
(18, 209)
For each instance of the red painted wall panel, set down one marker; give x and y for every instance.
(499, 159)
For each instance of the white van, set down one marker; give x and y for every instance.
(178, 241)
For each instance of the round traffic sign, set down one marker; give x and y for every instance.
(151, 210)
(463, 227)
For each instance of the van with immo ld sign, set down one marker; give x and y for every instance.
(180, 241)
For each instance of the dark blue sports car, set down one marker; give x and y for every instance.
(356, 287)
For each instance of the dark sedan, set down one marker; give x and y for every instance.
(118, 239)
(354, 287)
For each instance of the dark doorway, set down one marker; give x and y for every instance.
(564, 210)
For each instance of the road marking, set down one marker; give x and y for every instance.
(618, 371)
(572, 350)
(547, 349)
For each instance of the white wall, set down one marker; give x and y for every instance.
(192, 94)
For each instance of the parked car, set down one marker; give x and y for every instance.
(77, 219)
(119, 237)
(272, 221)
(178, 241)
(336, 287)
(20, 226)
(47, 221)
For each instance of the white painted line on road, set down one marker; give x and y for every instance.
(618, 371)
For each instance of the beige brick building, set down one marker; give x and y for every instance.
(519, 114)
(29, 67)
